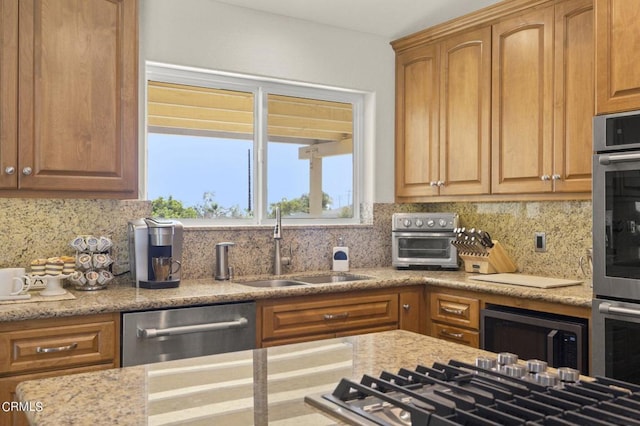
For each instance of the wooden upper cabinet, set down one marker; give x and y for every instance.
(574, 96)
(522, 109)
(77, 98)
(465, 120)
(617, 55)
(417, 125)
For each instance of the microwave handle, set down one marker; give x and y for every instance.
(606, 159)
(551, 344)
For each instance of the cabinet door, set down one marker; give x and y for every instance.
(574, 96)
(617, 55)
(9, 93)
(412, 317)
(417, 121)
(78, 96)
(465, 106)
(522, 103)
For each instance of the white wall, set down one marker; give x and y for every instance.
(208, 34)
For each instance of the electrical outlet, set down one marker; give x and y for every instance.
(541, 242)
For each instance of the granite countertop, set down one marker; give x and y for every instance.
(121, 298)
(262, 385)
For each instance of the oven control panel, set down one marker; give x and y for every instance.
(425, 222)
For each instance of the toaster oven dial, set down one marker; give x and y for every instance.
(419, 223)
(442, 223)
(431, 223)
(407, 223)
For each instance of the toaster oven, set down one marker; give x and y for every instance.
(422, 240)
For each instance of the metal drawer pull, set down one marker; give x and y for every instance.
(336, 316)
(450, 334)
(606, 308)
(148, 333)
(406, 306)
(41, 350)
(454, 311)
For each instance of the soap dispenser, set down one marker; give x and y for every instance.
(341, 257)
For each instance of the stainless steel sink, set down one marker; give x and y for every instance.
(272, 283)
(331, 278)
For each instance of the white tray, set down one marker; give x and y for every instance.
(526, 280)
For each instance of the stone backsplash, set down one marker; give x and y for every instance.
(43, 228)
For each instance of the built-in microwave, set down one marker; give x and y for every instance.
(559, 340)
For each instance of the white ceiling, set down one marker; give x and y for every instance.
(390, 19)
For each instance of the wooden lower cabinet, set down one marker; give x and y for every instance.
(306, 318)
(37, 349)
(455, 334)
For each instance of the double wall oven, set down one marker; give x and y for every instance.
(616, 246)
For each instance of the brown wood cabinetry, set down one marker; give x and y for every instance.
(300, 319)
(455, 318)
(51, 347)
(516, 101)
(522, 103)
(442, 116)
(68, 113)
(617, 55)
(543, 100)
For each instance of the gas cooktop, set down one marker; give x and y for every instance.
(491, 392)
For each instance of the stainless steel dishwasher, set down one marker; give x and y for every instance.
(167, 334)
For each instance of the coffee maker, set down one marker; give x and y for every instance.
(155, 252)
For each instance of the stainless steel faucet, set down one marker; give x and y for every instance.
(277, 236)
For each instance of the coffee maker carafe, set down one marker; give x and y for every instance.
(155, 252)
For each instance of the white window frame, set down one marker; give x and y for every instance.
(261, 87)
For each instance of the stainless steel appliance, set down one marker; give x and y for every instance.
(424, 240)
(155, 252)
(490, 392)
(556, 339)
(616, 245)
(164, 335)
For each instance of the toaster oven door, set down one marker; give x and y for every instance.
(424, 249)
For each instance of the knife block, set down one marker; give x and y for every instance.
(495, 260)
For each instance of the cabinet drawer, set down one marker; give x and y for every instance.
(56, 347)
(328, 314)
(455, 310)
(455, 334)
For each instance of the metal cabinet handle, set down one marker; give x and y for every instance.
(9, 170)
(555, 177)
(447, 333)
(545, 177)
(406, 306)
(27, 171)
(70, 347)
(454, 311)
(336, 316)
(148, 333)
(440, 183)
(433, 183)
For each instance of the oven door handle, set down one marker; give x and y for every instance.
(606, 159)
(607, 308)
(148, 333)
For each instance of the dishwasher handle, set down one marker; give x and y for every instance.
(149, 333)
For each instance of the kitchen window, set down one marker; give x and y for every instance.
(224, 148)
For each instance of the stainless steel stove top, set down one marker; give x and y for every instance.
(487, 393)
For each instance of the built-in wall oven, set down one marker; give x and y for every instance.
(616, 246)
(424, 240)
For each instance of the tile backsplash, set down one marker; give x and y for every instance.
(43, 228)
